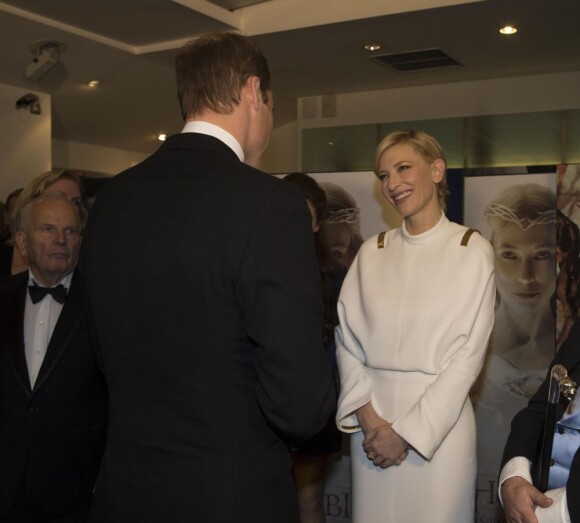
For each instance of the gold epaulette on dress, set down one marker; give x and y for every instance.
(467, 235)
(381, 240)
(350, 427)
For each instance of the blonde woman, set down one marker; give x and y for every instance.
(416, 312)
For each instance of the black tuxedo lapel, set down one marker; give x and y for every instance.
(51, 440)
(15, 332)
(65, 327)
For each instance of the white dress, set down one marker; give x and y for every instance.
(415, 318)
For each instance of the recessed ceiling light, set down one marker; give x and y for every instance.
(93, 83)
(372, 47)
(161, 137)
(508, 30)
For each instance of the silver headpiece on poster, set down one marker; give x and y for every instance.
(349, 215)
(498, 210)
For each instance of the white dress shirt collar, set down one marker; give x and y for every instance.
(65, 281)
(222, 135)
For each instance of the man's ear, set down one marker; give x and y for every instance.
(254, 91)
(437, 170)
(21, 244)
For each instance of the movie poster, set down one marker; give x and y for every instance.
(517, 214)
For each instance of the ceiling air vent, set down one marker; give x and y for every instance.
(416, 60)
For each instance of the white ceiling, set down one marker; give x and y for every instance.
(314, 47)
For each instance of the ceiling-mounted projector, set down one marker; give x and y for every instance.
(46, 55)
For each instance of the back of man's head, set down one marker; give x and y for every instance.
(212, 70)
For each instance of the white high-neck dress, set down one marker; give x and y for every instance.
(415, 319)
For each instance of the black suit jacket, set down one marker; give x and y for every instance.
(525, 438)
(206, 299)
(5, 260)
(52, 436)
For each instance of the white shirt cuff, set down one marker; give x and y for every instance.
(518, 466)
(557, 512)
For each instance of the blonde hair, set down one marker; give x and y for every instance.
(37, 187)
(425, 146)
(25, 212)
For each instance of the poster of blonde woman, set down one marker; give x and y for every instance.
(517, 213)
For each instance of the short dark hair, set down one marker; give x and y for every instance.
(11, 198)
(312, 192)
(212, 70)
(317, 197)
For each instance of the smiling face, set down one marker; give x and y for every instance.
(408, 182)
(525, 266)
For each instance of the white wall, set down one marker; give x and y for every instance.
(549, 92)
(280, 156)
(25, 150)
(95, 158)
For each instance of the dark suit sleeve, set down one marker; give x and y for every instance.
(572, 489)
(280, 293)
(525, 438)
(92, 332)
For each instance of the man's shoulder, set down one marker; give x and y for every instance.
(75, 292)
(12, 283)
(76, 281)
(569, 353)
(12, 288)
(192, 157)
(256, 184)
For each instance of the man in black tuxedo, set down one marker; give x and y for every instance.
(53, 397)
(205, 295)
(519, 497)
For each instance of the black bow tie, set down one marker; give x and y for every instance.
(38, 293)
